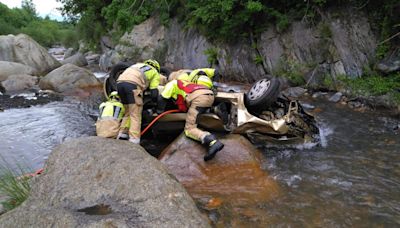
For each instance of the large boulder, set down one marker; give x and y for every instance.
(108, 59)
(230, 187)
(98, 182)
(19, 82)
(234, 175)
(68, 77)
(11, 68)
(143, 42)
(78, 59)
(23, 49)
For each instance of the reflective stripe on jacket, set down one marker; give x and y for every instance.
(111, 109)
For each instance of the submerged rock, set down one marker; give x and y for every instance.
(98, 182)
(234, 175)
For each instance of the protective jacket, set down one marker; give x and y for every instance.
(201, 76)
(183, 92)
(143, 75)
(108, 123)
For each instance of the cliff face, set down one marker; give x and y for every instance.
(340, 44)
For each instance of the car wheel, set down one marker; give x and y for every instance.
(165, 71)
(262, 94)
(110, 84)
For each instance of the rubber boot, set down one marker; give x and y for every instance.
(213, 146)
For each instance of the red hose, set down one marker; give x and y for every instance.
(158, 117)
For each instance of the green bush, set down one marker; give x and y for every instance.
(374, 84)
(212, 55)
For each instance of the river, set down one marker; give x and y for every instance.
(351, 179)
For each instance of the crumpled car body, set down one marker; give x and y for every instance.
(280, 120)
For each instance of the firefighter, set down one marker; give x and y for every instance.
(201, 76)
(130, 85)
(193, 99)
(111, 113)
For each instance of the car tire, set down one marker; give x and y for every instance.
(262, 94)
(165, 71)
(110, 84)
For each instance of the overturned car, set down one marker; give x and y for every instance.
(262, 113)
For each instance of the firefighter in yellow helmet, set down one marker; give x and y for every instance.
(193, 99)
(201, 76)
(111, 113)
(130, 85)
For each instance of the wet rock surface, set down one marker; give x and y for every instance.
(231, 181)
(97, 182)
(27, 99)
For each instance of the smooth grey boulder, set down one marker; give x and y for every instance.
(78, 60)
(11, 68)
(69, 52)
(336, 97)
(99, 182)
(23, 49)
(19, 82)
(68, 77)
(108, 59)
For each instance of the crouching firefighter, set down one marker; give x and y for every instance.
(111, 113)
(193, 99)
(130, 85)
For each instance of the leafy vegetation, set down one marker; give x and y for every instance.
(45, 31)
(212, 55)
(13, 185)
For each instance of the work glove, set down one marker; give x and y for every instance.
(154, 95)
(161, 104)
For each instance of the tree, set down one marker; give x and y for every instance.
(29, 7)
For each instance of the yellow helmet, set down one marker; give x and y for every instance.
(114, 95)
(153, 63)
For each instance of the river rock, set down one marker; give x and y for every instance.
(98, 182)
(68, 77)
(11, 68)
(69, 52)
(294, 92)
(19, 82)
(234, 175)
(336, 97)
(78, 59)
(108, 59)
(23, 49)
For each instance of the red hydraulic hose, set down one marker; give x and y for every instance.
(158, 117)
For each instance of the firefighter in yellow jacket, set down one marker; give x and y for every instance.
(130, 85)
(195, 99)
(111, 113)
(201, 76)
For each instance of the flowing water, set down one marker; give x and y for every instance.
(28, 135)
(352, 179)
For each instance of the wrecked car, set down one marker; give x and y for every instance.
(263, 114)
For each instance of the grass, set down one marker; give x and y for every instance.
(14, 185)
(375, 85)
